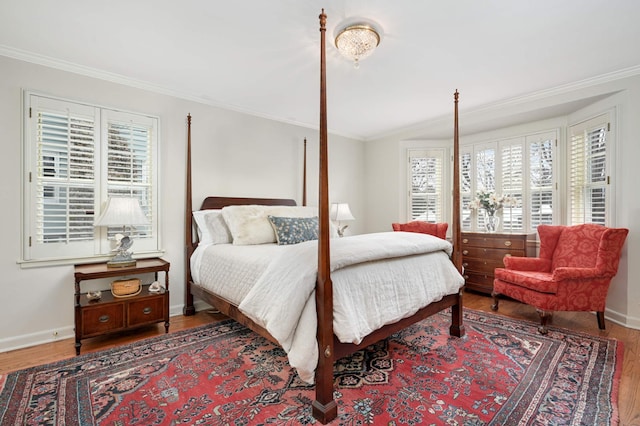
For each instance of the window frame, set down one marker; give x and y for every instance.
(498, 145)
(439, 155)
(98, 248)
(605, 120)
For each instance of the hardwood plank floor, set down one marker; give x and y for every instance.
(629, 392)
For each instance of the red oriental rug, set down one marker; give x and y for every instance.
(501, 373)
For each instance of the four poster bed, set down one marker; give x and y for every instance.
(241, 254)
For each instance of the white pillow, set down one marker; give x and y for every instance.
(250, 225)
(211, 227)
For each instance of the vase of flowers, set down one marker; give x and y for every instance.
(491, 221)
(491, 203)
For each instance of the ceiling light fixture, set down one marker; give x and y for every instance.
(358, 41)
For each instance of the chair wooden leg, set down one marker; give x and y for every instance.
(494, 305)
(600, 315)
(545, 316)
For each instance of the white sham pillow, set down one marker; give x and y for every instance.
(250, 225)
(211, 226)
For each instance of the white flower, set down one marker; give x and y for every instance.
(491, 202)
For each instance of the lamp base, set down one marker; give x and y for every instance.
(122, 259)
(121, 263)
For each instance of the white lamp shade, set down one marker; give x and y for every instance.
(121, 211)
(340, 212)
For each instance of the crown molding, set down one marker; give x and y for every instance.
(74, 68)
(519, 101)
(127, 81)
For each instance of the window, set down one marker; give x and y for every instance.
(521, 168)
(426, 186)
(75, 156)
(588, 176)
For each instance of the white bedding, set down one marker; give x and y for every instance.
(377, 279)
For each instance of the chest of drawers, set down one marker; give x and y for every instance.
(483, 252)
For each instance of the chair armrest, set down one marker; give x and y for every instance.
(517, 263)
(573, 273)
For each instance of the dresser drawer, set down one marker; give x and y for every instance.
(479, 282)
(99, 319)
(482, 265)
(479, 278)
(492, 253)
(145, 311)
(494, 242)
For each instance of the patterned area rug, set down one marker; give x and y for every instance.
(501, 373)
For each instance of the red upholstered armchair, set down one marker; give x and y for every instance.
(437, 229)
(572, 273)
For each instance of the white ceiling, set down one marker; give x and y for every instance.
(262, 57)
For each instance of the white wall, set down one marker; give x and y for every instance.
(234, 155)
(385, 167)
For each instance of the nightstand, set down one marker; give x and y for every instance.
(110, 314)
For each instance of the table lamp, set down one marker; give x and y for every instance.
(122, 211)
(340, 212)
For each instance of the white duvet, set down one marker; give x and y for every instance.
(377, 279)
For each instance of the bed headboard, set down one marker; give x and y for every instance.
(220, 202)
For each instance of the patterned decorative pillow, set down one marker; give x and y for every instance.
(294, 230)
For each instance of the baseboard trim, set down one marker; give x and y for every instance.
(621, 319)
(53, 335)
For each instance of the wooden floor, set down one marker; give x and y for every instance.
(629, 393)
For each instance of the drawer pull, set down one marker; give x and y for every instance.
(507, 243)
(147, 310)
(465, 264)
(104, 318)
(466, 277)
(465, 252)
(507, 255)
(465, 241)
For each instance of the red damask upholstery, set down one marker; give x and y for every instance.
(572, 273)
(437, 229)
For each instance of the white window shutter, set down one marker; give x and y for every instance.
(541, 179)
(512, 161)
(466, 188)
(76, 156)
(130, 169)
(588, 176)
(426, 185)
(62, 188)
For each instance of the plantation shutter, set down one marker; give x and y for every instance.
(588, 178)
(485, 175)
(426, 185)
(512, 160)
(541, 179)
(466, 188)
(129, 165)
(62, 177)
(75, 157)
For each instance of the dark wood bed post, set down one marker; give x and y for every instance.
(457, 327)
(188, 309)
(324, 407)
(304, 174)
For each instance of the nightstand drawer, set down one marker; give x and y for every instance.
(146, 311)
(99, 319)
